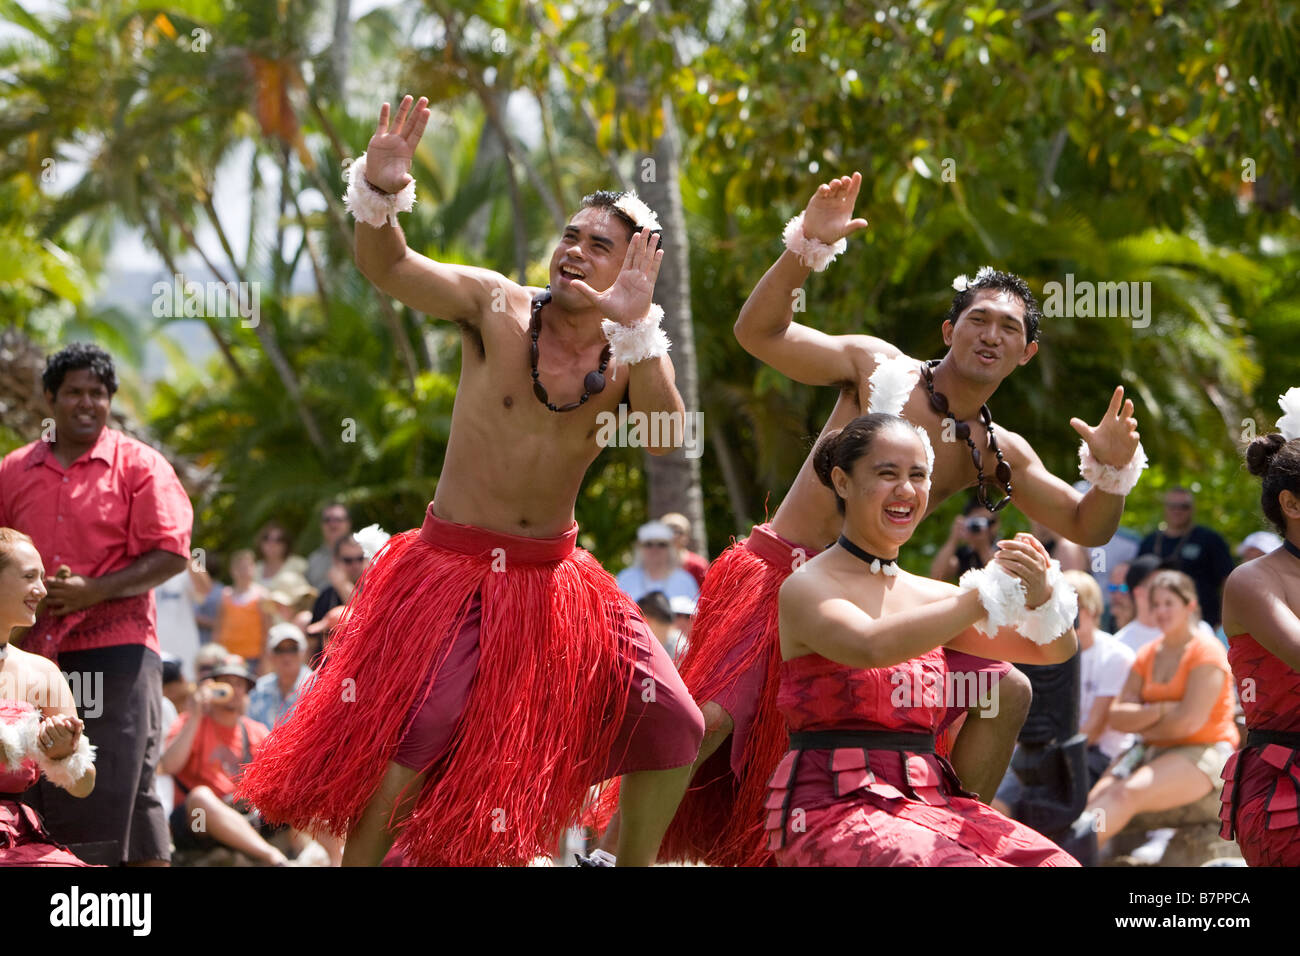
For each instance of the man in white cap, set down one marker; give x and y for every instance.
(276, 691)
(657, 566)
(1258, 544)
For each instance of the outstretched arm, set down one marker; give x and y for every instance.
(459, 293)
(1087, 519)
(766, 328)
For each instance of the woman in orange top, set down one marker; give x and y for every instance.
(240, 625)
(1178, 698)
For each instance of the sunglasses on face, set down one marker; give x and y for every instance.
(286, 650)
(334, 519)
(274, 537)
(1178, 505)
(654, 544)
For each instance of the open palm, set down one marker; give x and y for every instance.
(628, 299)
(389, 153)
(828, 217)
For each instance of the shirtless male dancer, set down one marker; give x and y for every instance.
(488, 672)
(731, 667)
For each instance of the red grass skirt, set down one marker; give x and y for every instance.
(538, 727)
(734, 659)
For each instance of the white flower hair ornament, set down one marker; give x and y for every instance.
(631, 205)
(1289, 423)
(963, 282)
(372, 539)
(891, 383)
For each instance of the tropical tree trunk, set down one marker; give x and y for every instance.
(674, 479)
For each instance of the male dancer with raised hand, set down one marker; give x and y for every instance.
(731, 668)
(487, 672)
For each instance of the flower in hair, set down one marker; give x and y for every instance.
(964, 282)
(1289, 423)
(372, 539)
(631, 206)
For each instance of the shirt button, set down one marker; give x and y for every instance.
(60, 517)
(65, 479)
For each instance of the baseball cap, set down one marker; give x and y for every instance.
(654, 531)
(233, 669)
(285, 631)
(681, 604)
(1265, 541)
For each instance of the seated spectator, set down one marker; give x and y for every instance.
(972, 542)
(208, 659)
(349, 561)
(1178, 699)
(1104, 664)
(1142, 630)
(657, 566)
(205, 750)
(242, 622)
(1119, 601)
(335, 524)
(176, 691)
(683, 615)
(276, 691)
(695, 565)
(318, 634)
(205, 612)
(278, 568)
(1258, 544)
(657, 611)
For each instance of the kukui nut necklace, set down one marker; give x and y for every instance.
(1003, 472)
(594, 382)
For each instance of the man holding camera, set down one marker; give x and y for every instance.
(207, 748)
(971, 544)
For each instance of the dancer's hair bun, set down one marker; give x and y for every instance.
(1261, 451)
(824, 457)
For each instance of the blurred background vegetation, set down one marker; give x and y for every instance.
(1144, 142)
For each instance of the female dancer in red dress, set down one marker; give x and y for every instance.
(39, 728)
(864, 677)
(1261, 793)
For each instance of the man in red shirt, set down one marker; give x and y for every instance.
(111, 521)
(207, 748)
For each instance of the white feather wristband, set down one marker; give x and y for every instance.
(1112, 480)
(1002, 595)
(814, 253)
(369, 205)
(1055, 616)
(66, 771)
(629, 344)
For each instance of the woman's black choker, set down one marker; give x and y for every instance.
(1285, 543)
(886, 566)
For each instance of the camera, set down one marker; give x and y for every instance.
(977, 524)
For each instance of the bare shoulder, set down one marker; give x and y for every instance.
(1015, 447)
(1248, 578)
(867, 352)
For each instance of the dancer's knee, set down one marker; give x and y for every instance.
(1015, 694)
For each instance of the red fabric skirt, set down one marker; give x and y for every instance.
(850, 807)
(565, 686)
(734, 660)
(1263, 784)
(25, 842)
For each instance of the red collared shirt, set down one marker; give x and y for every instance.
(120, 500)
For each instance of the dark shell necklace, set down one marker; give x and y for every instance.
(1003, 472)
(593, 383)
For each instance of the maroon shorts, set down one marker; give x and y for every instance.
(661, 729)
(959, 662)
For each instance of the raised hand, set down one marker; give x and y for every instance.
(1115, 438)
(828, 216)
(389, 153)
(628, 299)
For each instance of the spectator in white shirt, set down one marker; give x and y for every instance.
(1104, 664)
(657, 566)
